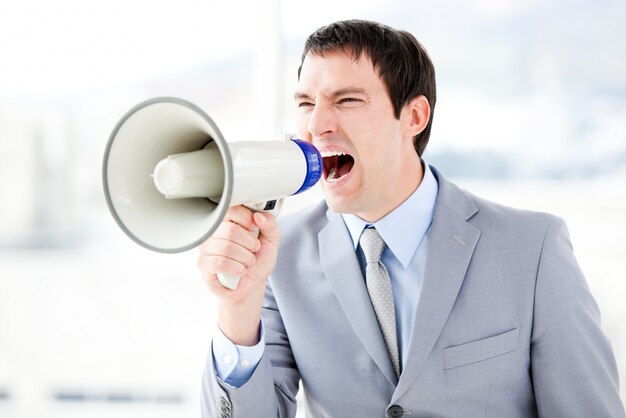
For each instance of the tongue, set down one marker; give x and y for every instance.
(340, 171)
(345, 168)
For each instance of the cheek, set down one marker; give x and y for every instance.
(301, 126)
(381, 154)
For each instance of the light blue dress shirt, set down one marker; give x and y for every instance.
(404, 231)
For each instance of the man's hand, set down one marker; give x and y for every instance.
(235, 249)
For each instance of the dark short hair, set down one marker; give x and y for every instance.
(401, 61)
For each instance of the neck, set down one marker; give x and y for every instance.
(411, 178)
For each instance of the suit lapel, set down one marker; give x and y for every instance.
(341, 267)
(452, 241)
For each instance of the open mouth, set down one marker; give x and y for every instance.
(336, 165)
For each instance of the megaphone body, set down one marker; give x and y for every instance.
(169, 176)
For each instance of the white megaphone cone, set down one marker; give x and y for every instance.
(169, 176)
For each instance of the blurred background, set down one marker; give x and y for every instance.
(531, 112)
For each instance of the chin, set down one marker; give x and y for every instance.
(345, 201)
(336, 205)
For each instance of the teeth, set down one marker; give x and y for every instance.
(332, 174)
(332, 153)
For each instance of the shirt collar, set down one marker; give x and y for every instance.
(403, 228)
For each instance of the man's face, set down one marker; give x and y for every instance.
(345, 111)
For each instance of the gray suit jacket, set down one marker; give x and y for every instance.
(506, 325)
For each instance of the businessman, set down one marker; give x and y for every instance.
(400, 294)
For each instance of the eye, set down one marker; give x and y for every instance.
(350, 101)
(305, 104)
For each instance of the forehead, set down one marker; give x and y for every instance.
(337, 69)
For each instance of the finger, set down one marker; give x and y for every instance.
(217, 264)
(229, 249)
(242, 216)
(214, 286)
(235, 233)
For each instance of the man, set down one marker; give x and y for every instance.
(474, 309)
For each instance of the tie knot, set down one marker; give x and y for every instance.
(372, 245)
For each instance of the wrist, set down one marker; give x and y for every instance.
(240, 323)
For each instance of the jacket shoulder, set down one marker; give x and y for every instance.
(482, 212)
(302, 223)
(490, 212)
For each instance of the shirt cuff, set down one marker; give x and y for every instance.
(235, 364)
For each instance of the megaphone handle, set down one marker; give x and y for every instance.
(230, 281)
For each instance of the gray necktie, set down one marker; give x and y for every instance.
(379, 289)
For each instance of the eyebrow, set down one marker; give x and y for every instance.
(335, 94)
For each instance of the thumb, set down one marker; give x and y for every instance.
(269, 231)
(269, 236)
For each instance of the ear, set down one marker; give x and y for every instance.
(417, 114)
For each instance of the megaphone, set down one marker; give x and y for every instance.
(169, 176)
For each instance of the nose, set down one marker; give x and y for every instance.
(321, 121)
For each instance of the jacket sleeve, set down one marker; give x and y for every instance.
(572, 363)
(271, 390)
